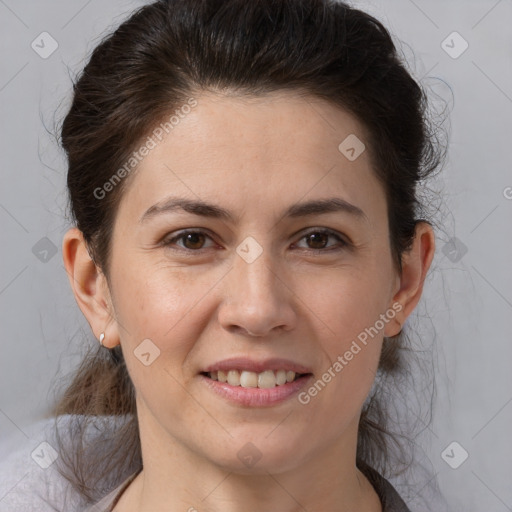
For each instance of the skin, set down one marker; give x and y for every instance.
(254, 157)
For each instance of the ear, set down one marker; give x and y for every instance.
(415, 264)
(90, 287)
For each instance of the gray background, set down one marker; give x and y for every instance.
(468, 295)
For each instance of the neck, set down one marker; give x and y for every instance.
(181, 479)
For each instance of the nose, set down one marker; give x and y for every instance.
(257, 298)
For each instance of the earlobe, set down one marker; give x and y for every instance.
(88, 283)
(415, 265)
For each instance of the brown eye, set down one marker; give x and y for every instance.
(191, 240)
(318, 240)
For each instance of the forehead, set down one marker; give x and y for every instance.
(278, 148)
(306, 124)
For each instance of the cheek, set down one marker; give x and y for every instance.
(154, 301)
(345, 304)
(170, 307)
(155, 307)
(348, 312)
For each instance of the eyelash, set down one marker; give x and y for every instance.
(344, 244)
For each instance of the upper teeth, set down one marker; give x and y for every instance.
(246, 379)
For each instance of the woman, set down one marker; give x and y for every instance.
(247, 247)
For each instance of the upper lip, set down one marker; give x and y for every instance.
(244, 363)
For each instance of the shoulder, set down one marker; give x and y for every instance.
(108, 502)
(29, 478)
(389, 497)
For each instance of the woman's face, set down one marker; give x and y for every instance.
(256, 282)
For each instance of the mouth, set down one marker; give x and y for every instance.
(266, 379)
(250, 389)
(248, 382)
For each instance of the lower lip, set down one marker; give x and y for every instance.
(256, 397)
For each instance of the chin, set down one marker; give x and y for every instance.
(257, 454)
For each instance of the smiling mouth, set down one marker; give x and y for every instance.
(247, 379)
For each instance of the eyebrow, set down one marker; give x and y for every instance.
(204, 209)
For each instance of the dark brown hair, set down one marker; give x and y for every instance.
(169, 51)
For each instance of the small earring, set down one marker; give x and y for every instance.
(102, 337)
